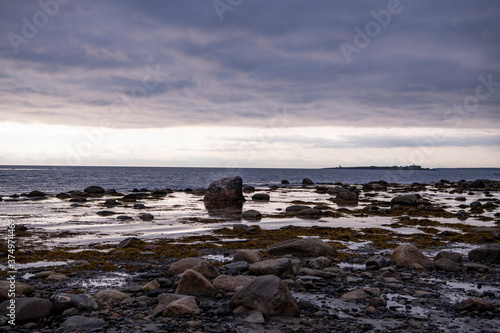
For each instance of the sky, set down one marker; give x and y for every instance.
(250, 83)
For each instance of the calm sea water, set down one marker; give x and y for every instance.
(52, 180)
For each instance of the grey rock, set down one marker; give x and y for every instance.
(407, 200)
(252, 215)
(307, 181)
(105, 213)
(21, 289)
(377, 262)
(448, 265)
(27, 309)
(488, 254)
(129, 242)
(261, 197)
(195, 284)
(278, 267)
(94, 190)
(296, 208)
(231, 283)
(311, 213)
(228, 189)
(83, 302)
(197, 264)
(146, 217)
(407, 254)
(255, 318)
(83, 323)
(250, 256)
(308, 247)
(238, 266)
(266, 294)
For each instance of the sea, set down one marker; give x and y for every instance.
(56, 179)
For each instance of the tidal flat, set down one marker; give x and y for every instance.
(81, 243)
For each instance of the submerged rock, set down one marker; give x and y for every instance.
(266, 294)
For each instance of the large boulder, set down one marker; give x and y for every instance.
(306, 247)
(279, 267)
(228, 189)
(407, 200)
(197, 264)
(406, 255)
(21, 289)
(94, 190)
(488, 254)
(266, 294)
(27, 309)
(193, 283)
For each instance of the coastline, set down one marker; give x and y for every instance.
(433, 222)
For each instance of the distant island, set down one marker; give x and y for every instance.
(409, 167)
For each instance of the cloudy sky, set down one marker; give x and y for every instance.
(250, 83)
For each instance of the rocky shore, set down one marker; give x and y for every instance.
(243, 277)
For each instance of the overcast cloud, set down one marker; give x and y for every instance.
(163, 64)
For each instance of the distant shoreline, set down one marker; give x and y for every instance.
(409, 167)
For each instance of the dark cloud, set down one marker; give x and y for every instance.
(264, 55)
